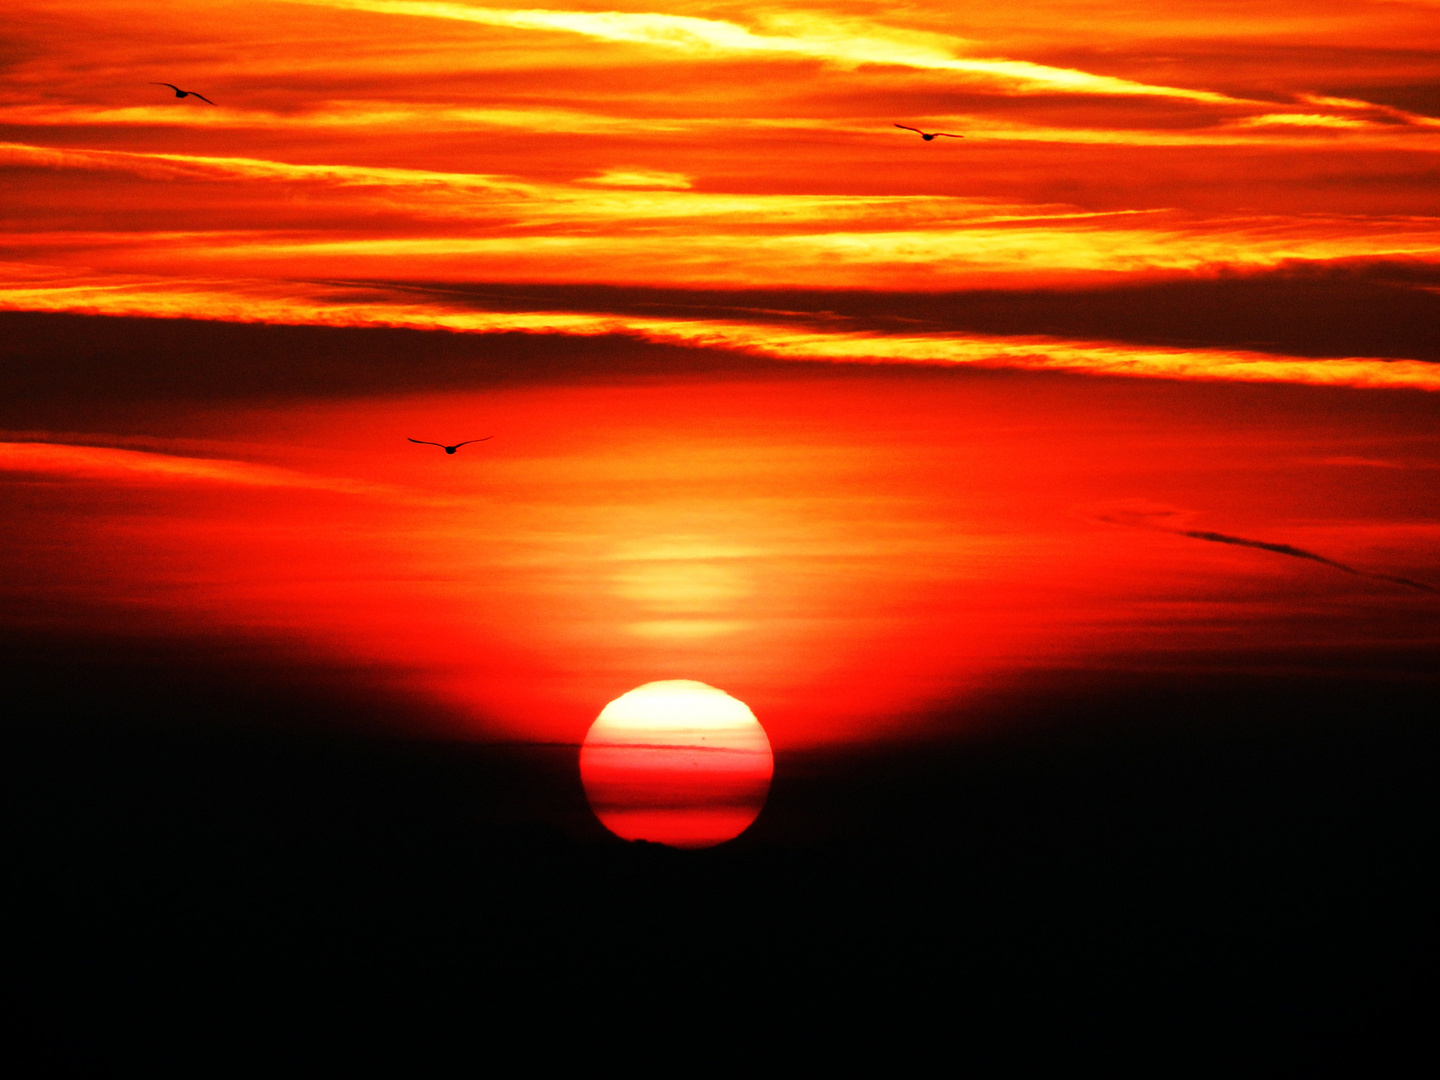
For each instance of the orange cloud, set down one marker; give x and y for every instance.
(690, 146)
(844, 43)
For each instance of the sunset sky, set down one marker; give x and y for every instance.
(1139, 375)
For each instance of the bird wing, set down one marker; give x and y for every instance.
(423, 442)
(171, 85)
(948, 135)
(203, 98)
(469, 441)
(907, 127)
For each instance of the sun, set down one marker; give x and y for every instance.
(677, 762)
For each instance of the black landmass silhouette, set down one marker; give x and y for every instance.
(1215, 858)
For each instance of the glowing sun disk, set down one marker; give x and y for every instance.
(676, 762)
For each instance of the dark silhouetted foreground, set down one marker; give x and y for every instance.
(205, 849)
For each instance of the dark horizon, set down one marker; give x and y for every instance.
(1248, 851)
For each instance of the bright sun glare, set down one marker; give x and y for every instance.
(676, 762)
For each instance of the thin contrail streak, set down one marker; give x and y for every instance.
(1300, 553)
(1164, 519)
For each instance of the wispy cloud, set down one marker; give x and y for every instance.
(1301, 553)
(331, 305)
(1356, 462)
(1303, 120)
(108, 463)
(816, 37)
(167, 166)
(431, 142)
(588, 231)
(1145, 515)
(640, 178)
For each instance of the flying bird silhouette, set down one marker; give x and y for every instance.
(929, 135)
(449, 449)
(184, 93)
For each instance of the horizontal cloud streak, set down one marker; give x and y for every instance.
(160, 166)
(1140, 514)
(113, 464)
(1300, 553)
(830, 42)
(755, 338)
(457, 226)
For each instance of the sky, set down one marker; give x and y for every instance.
(1138, 374)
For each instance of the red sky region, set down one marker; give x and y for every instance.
(840, 553)
(1230, 215)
